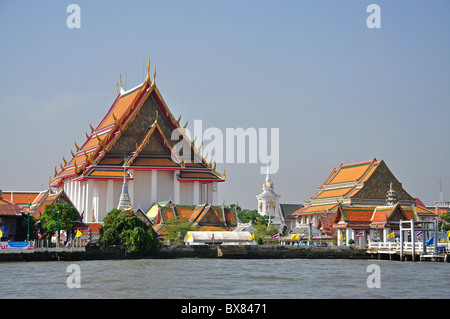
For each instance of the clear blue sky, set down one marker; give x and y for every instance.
(338, 91)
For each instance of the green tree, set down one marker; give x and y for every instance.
(125, 229)
(261, 223)
(445, 227)
(177, 230)
(68, 217)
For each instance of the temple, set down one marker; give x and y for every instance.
(205, 217)
(359, 202)
(268, 202)
(132, 146)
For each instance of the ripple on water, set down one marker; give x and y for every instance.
(224, 278)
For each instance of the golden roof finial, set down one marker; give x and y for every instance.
(71, 152)
(185, 125)
(78, 148)
(154, 74)
(87, 136)
(156, 118)
(92, 129)
(117, 89)
(56, 172)
(179, 119)
(148, 71)
(120, 80)
(65, 162)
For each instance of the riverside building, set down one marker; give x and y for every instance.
(133, 145)
(359, 202)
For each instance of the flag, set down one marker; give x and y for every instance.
(429, 242)
(189, 236)
(1, 233)
(294, 237)
(340, 237)
(277, 235)
(39, 234)
(78, 233)
(448, 235)
(419, 234)
(391, 235)
(212, 237)
(318, 236)
(360, 234)
(252, 237)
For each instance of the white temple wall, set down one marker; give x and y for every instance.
(165, 185)
(142, 190)
(102, 211)
(215, 193)
(186, 190)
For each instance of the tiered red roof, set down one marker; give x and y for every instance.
(91, 160)
(206, 217)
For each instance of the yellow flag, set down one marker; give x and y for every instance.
(252, 237)
(448, 235)
(391, 235)
(1, 233)
(189, 235)
(294, 237)
(340, 237)
(78, 233)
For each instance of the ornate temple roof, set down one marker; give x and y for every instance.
(362, 183)
(48, 198)
(21, 198)
(205, 216)
(8, 208)
(137, 126)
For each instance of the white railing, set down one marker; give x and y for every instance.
(408, 246)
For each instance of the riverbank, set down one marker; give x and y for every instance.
(182, 251)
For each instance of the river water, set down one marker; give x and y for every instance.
(225, 278)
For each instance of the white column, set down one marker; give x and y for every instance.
(196, 193)
(339, 241)
(176, 187)
(385, 233)
(109, 195)
(215, 193)
(89, 198)
(96, 200)
(77, 196)
(154, 187)
(209, 193)
(82, 198)
(67, 189)
(348, 235)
